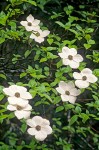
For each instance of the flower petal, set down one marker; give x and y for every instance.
(32, 131)
(73, 64)
(16, 88)
(72, 99)
(11, 107)
(47, 129)
(35, 22)
(19, 88)
(62, 55)
(32, 36)
(25, 95)
(24, 23)
(69, 98)
(65, 61)
(45, 122)
(31, 123)
(86, 71)
(60, 90)
(62, 84)
(91, 78)
(45, 33)
(77, 75)
(38, 120)
(65, 98)
(28, 107)
(8, 91)
(22, 114)
(66, 50)
(78, 58)
(41, 135)
(73, 51)
(30, 18)
(17, 101)
(31, 28)
(70, 85)
(66, 86)
(39, 39)
(81, 84)
(74, 92)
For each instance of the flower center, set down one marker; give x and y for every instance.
(67, 93)
(70, 57)
(29, 24)
(17, 94)
(37, 34)
(38, 128)
(84, 78)
(19, 107)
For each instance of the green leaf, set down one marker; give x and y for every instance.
(91, 42)
(27, 53)
(78, 109)
(60, 108)
(43, 59)
(50, 41)
(87, 46)
(2, 40)
(87, 37)
(31, 2)
(89, 30)
(68, 106)
(60, 24)
(73, 120)
(23, 127)
(95, 97)
(51, 56)
(79, 27)
(59, 64)
(84, 117)
(23, 74)
(3, 18)
(1, 96)
(48, 97)
(96, 72)
(2, 76)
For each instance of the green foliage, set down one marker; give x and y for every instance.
(38, 67)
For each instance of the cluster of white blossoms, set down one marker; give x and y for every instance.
(32, 25)
(18, 99)
(83, 79)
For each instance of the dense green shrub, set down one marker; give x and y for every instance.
(39, 68)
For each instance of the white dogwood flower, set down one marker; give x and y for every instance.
(84, 78)
(39, 35)
(31, 23)
(70, 57)
(17, 95)
(20, 111)
(40, 127)
(68, 91)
